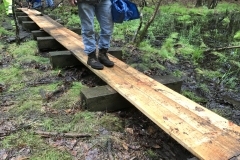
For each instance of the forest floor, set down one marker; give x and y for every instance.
(35, 98)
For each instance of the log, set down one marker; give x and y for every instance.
(67, 135)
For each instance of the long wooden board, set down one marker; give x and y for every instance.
(204, 133)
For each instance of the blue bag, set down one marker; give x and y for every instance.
(124, 10)
(134, 13)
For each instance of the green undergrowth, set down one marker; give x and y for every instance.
(81, 122)
(26, 52)
(191, 95)
(4, 32)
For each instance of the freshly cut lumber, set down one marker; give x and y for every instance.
(201, 131)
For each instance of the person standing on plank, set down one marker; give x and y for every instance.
(87, 9)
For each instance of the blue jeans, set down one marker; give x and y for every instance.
(37, 4)
(49, 3)
(104, 16)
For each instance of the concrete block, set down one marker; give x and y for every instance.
(76, 30)
(102, 98)
(30, 25)
(49, 43)
(170, 81)
(63, 59)
(42, 33)
(23, 18)
(116, 52)
(52, 16)
(20, 13)
(39, 33)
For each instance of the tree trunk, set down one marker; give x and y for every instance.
(144, 31)
(16, 23)
(199, 3)
(212, 4)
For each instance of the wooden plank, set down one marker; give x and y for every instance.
(202, 132)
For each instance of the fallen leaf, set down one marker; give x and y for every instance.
(125, 146)
(151, 130)
(129, 130)
(68, 110)
(156, 146)
(74, 153)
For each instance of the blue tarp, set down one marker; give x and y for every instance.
(124, 10)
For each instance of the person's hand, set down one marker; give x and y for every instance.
(73, 2)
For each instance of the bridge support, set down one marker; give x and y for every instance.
(104, 98)
(66, 58)
(49, 43)
(30, 25)
(61, 59)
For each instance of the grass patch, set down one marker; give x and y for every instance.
(10, 75)
(4, 32)
(68, 99)
(85, 122)
(192, 96)
(28, 48)
(151, 154)
(39, 150)
(21, 138)
(208, 73)
(111, 123)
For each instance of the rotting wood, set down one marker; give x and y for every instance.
(204, 133)
(67, 135)
(220, 49)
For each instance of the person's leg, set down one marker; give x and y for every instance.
(28, 3)
(50, 3)
(36, 5)
(47, 5)
(104, 17)
(86, 13)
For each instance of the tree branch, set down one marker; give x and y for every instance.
(67, 135)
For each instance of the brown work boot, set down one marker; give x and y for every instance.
(103, 58)
(93, 61)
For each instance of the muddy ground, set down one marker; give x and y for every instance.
(136, 138)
